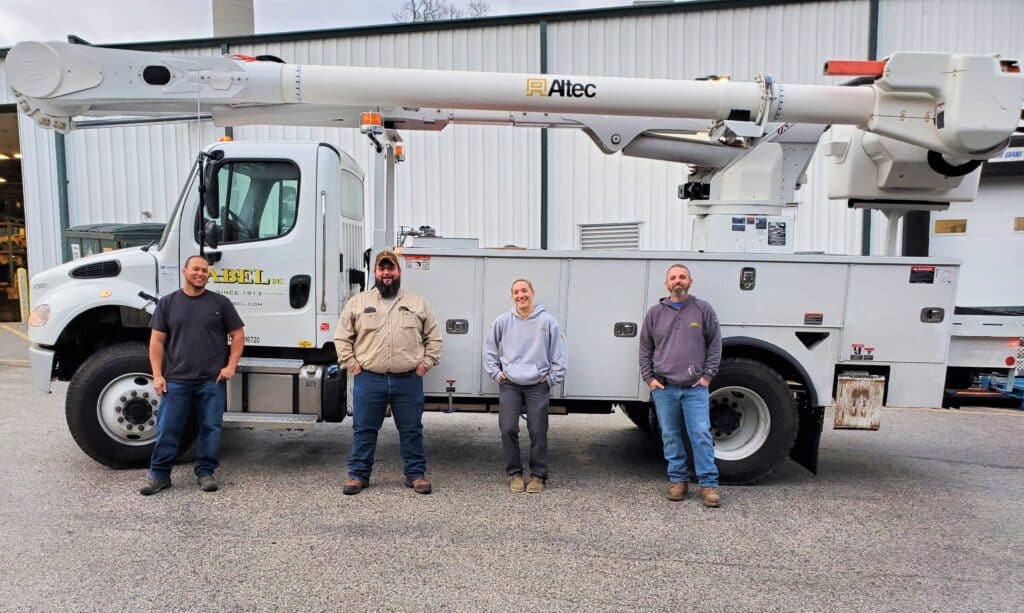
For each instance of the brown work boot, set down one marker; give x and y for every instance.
(516, 484)
(420, 485)
(535, 486)
(353, 486)
(677, 491)
(710, 496)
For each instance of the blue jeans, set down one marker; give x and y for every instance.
(371, 393)
(674, 405)
(208, 400)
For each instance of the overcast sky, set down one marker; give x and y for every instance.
(142, 20)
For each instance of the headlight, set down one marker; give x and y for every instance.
(39, 316)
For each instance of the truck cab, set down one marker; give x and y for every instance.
(283, 230)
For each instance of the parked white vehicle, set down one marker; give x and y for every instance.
(283, 228)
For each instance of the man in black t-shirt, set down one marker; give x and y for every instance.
(190, 359)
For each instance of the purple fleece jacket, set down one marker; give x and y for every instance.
(679, 346)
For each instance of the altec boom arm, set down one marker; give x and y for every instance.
(963, 106)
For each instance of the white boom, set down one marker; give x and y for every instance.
(962, 106)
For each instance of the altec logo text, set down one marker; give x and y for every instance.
(560, 87)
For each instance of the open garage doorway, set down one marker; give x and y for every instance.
(13, 245)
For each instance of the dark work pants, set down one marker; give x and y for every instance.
(371, 394)
(208, 400)
(533, 400)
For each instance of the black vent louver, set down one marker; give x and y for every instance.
(97, 270)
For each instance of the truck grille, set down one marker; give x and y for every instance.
(97, 270)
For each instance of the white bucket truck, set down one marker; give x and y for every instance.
(283, 228)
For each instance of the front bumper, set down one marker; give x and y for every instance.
(41, 361)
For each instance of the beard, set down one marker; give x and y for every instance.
(389, 291)
(678, 291)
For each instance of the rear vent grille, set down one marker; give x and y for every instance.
(614, 236)
(97, 270)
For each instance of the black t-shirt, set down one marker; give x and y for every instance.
(197, 330)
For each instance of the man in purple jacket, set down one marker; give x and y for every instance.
(680, 350)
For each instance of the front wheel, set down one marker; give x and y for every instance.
(112, 408)
(753, 420)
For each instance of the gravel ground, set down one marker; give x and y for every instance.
(925, 514)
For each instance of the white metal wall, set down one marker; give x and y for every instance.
(790, 42)
(465, 181)
(42, 211)
(964, 26)
(130, 174)
(5, 91)
(991, 250)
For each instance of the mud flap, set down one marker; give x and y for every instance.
(808, 437)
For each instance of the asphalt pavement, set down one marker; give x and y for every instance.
(925, 514)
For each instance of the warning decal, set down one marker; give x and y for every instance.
(417, 262)
(922, 274)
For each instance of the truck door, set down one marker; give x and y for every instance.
(265, 262)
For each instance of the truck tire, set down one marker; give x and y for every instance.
(753, 420)
(640, 414)
(111, 407)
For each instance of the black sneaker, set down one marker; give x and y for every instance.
(154, 485)
(207, 483)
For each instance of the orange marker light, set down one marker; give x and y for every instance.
(225, 139)
(855, 68)
(399, 153)
(371, 123)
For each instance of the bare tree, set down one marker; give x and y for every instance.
(438, 10)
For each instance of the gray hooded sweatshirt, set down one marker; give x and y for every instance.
(527, 350)
(679, 346)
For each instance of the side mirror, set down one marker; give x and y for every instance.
(211, 192)
(211, 234)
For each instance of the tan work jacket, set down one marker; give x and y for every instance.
(385, 338)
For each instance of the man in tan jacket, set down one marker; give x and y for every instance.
(387, 339)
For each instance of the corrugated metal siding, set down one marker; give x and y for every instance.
(130, 174)
(42, 213)
(790, 42)
(465, 181)
(959, 26)
(5, 89)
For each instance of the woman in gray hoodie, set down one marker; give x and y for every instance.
(525, 352)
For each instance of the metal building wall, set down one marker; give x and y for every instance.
(959, 26)
(790, 42)
(5, 91)
(132, 174)
(473, 181)
(39, 189)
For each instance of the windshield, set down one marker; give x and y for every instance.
(186, 194)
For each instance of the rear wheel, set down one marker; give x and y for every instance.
(753, 420)
(112, 408)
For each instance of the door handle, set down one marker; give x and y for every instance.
(298, 291)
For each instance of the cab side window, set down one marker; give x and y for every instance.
(258, 200)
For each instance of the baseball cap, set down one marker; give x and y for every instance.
(386, 256)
